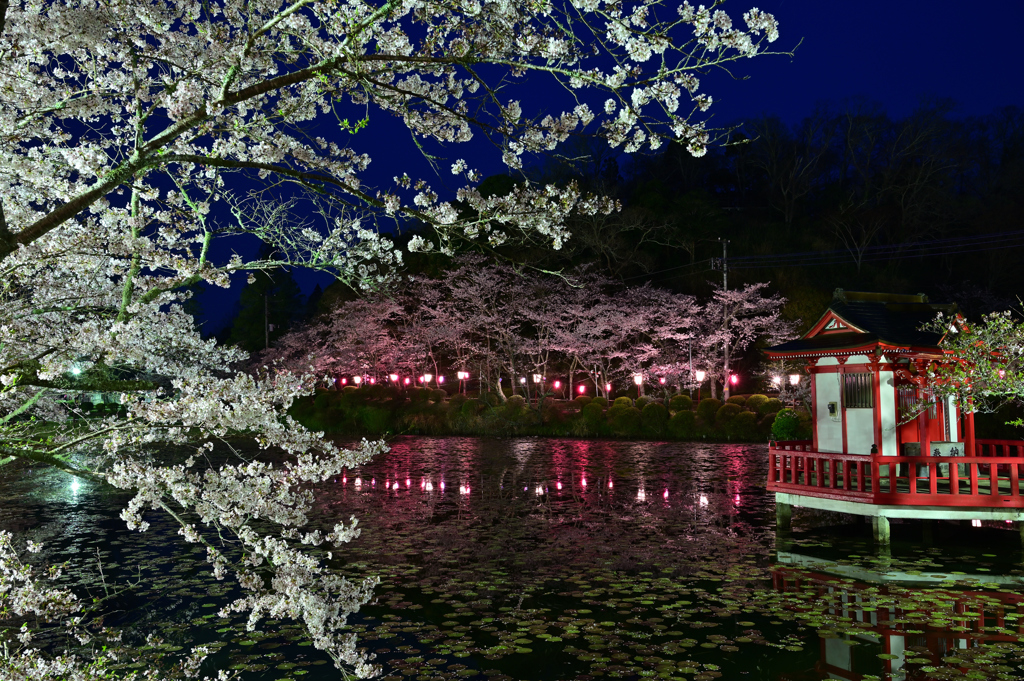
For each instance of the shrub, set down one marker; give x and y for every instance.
(742, 427)
(322, 400)
(624, 421)
(737, 399)
(456, 401)
(680, 403)
(472, 407)
(726, 413)
(642, 402)
(707, 408)
(755, 402)
(655, 417)
(765, 424)
(551, 413)
(491, 399)
(516, 403)
(623, 402)
(419, 394)
(600, 401)
(593, 415)
(582, 401)
(349, 389)
(772, 406)
(786, 425)
(374, 419)
(438, 395)
(683, 424)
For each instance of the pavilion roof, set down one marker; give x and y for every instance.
(862, 321)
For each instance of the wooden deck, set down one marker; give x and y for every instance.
(992, 478)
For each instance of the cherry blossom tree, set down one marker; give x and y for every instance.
(358, 337)
(130, 129)
(732, 321)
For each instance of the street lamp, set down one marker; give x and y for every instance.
(393, 377)
(582, 389)
(537, 378)
(440, 380)
(357, 379)
(699, 375)
(638, 379)
(734, 379)
(776, 381)
(427, 378)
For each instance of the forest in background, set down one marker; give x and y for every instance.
(848, 198)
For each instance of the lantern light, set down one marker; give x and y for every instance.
(357, 379)
(1002, 373)
(734, 379)
(557, 384)
(408, 381)
(608, 387)
(440, 380)
(638, 378)
(662, 380)
(582, 389)
(699, 375)
(794, 379)
(537, 378)
(776, 380)
(373, 381)
(344, 381)
(523, 380)
(393, 377)
(428, 377)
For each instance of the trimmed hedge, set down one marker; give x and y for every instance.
(623, 402)
(755, 402)
(683, 424)
(654, 418)
(707, 408)
(680, 403)
(625, 421)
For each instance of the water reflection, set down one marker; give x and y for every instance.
(579, 559)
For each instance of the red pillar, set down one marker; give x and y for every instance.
(924, 429)
(969, 431)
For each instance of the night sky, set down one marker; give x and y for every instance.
(894, 52)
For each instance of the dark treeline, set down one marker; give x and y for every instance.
(849, 197)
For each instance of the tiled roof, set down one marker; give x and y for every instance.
(886, 318)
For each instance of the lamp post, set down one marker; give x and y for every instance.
(794, 379)
(699, 375)
(638, 379)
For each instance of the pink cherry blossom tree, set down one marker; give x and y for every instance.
(733, 320)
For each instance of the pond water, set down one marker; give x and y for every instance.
(540, 559)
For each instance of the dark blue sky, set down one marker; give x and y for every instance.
(895, 52)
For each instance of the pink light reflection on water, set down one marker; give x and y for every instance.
(558, 485)
(396, 487)
(442, 485)
(609, 483)
(583, 482)
(408, 482)
(665, 494)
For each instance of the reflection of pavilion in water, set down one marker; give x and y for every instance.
(907, 633)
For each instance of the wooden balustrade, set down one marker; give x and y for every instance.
(990, 481)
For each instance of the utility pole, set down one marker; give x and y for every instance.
(725, 321)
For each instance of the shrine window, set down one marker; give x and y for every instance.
(858, 391)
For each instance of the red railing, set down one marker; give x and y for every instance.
(993, 480)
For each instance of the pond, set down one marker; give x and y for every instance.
(541, 559)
